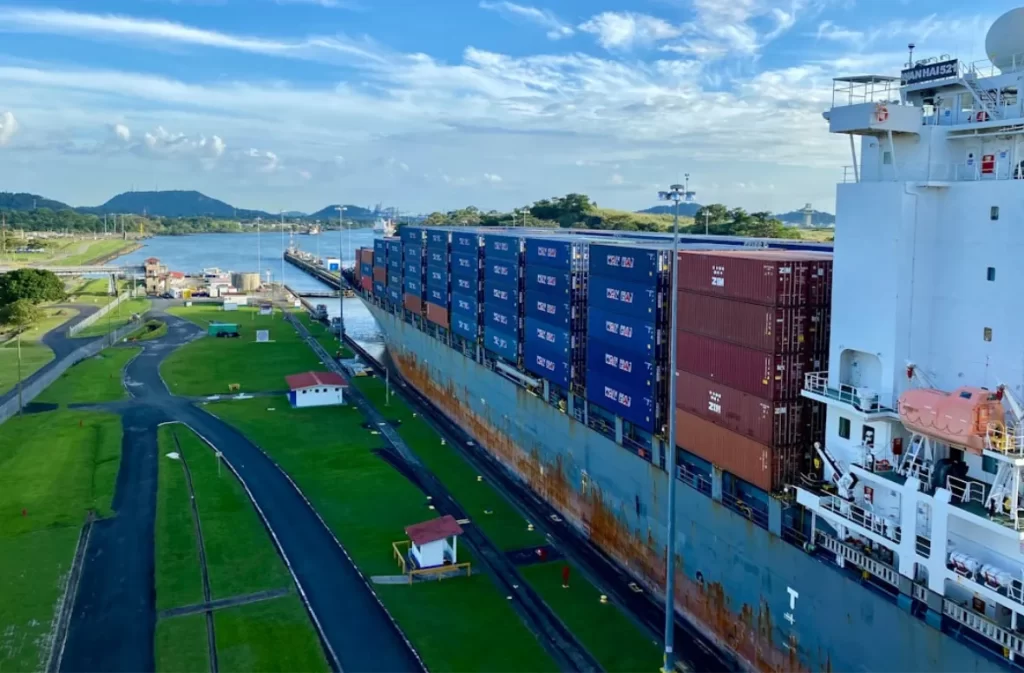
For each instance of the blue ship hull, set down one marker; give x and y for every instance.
(768, 601)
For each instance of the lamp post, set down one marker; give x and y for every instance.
(675, 194)
(259, 251)
(341, 292)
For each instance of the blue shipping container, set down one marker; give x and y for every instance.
(437, 239)
(554, 337)
(413, 270)
(465, 242)
(501, 343)
(619, 296)
(365, 269)
(395, 294)
(556, 254)
(395, 263)
(541, 359)
(378, 289)
(414, 286)
(502, 297)
(411, 235)
(380, 253)
(465, 325)
(465, 304)
(437, 296)
(556, 313)
(621, 382)
(637, 335)
(636, 265)
(394, 279)
(501, 320)
(547, 283)
(437, 257)
(465, 285)
(502, 247)
(467, 266)
(394, 247)
(501, 272)
(437, 277)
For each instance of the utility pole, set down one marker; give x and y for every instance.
(675, 194)
(259, 251)
(283, 250)
(341, 290)
(707, 216)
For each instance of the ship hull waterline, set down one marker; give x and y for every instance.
(772, 605)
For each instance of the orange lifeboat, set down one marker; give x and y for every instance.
(960, 419)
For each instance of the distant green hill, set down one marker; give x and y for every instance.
(23, 201)
(685, 209)
(351, 213)
(818, 217)
(174, 204)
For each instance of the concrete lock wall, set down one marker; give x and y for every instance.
(54, 371)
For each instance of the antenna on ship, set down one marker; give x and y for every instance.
(910, 59)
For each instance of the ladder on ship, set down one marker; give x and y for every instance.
(986, 98)
(918, 461)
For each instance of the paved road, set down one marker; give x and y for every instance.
(113, 620)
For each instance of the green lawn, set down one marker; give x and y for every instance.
(503, 525)
(116, 318)
(274, 635)
(94, 251)
(181, 645)
(33, 569)
(34, 355)
(615, 641)
(95, 379)
(323, 334)
(368, 505)
(179, 580)
(54, 467)
(253, 366)
(152, 329)
(92, 291)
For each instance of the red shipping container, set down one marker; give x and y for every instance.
(766, 422)
(437, 315)
(819, 328)
(380, 274)
(413, 303)
(771, 277)
(366, 255)
(765, 375)
(775, 329)
(765, 467)
(366, 283)
(819, 283)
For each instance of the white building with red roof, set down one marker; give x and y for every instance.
(316, 389)
(434, 542)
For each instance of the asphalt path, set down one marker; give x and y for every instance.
(113, 621)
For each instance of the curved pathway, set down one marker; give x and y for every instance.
(113, 621)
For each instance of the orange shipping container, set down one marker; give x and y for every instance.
(437, 315)
(366, 283)
(380, 274)
(413, 303)
(763, 466)
(366, 255)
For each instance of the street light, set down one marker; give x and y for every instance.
(675, 194)
(341, 292)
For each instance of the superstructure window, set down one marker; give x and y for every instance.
(990, 465)
(988, 334)
(994, 213)
(991, 273)
(887, 158)
(844, 427)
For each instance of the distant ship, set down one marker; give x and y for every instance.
(313, 231)
(383, 227)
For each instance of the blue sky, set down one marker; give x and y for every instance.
(293, 104)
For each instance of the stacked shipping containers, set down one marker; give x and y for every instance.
(503, 322)
(412, 268)
(465, 285)
(751, 324)
(393, 248)
(365, 261)
(555, 300)
(438, 276)
(626, 307)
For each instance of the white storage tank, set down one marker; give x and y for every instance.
(247, 281)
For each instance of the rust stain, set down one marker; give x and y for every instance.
(749, 635)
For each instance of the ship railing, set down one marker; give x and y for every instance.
(966, 490)
(850, 174)
(975, 171)
(985, 68)
(741, 507)
(694, 479)
(818, 384)
(858, 515)
(866, 89)
(1009, 641)
(870, 462)
(882, 571)
(1007, 440)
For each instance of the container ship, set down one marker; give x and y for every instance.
(848, 435)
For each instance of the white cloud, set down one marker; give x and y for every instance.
(122, 133)
(330, 4)
(8, 127)
(266, 162)
(616, 179)
(723, 28)
(492, 178)
(556, 29)
(624, 30)
(305, 175)
(56, 21)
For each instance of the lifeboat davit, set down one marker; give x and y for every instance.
(960, 419)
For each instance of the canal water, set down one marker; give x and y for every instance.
(264, 252)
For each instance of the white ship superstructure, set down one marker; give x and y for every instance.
(924, 453)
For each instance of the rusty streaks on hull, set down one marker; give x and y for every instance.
(750, 636)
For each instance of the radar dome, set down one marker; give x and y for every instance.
(1005, 41)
